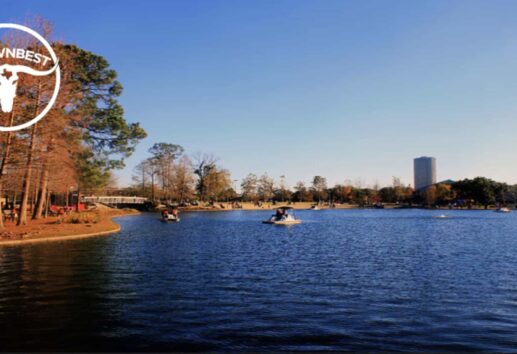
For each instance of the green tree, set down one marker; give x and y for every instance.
(92, 174)
(480, 189)
(107, 136)
(302, 193)
(387, 195)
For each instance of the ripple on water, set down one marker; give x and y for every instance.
(343, 280)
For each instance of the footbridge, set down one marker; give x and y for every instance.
(118, 201)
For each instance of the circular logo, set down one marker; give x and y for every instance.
(8, 85)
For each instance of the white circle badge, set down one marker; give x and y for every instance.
(8, 88)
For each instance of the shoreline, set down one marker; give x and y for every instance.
(48, 230)
(51, 231)
(248, 206)
(307, 206)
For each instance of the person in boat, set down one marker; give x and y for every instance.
(279, 214)
(165, 213)
(175, 212)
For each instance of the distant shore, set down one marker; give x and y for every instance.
(53, 229)
(249, 206)
(58, 229)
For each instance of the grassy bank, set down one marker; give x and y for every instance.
(66, 227)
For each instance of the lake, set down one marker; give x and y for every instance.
(358, 280)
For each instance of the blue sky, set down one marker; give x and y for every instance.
(345, 89)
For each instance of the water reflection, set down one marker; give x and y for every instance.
(342, 280)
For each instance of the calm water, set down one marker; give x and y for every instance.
(345, 280)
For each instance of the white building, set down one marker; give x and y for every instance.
(425, 172)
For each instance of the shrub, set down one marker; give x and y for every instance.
(82, 218)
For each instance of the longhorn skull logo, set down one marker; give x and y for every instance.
(9, 84)
(9, 75)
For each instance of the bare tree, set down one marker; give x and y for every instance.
(204, 165)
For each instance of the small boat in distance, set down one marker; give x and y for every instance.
(502, 210)
(315, 207)
(441, 216)
(170, 214)
(283, 217)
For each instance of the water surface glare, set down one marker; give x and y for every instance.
(359, 280)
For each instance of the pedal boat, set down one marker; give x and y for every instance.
(283, 217)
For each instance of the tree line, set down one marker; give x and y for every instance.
(77, 144)
(479, 191)
(169, 175)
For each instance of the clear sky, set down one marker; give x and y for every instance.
(343, 89)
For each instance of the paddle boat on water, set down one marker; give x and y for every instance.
(315, 207)
(170, 214)
(502, 210)
(283, 216)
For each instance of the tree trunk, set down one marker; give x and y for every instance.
(182, 191)
(47, 203)
(3, 165)
(78, 204)
(143, 181)
(152, 186)
(42, 194)
(22, 218)
(34, 191)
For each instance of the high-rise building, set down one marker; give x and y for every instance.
(425, 172)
